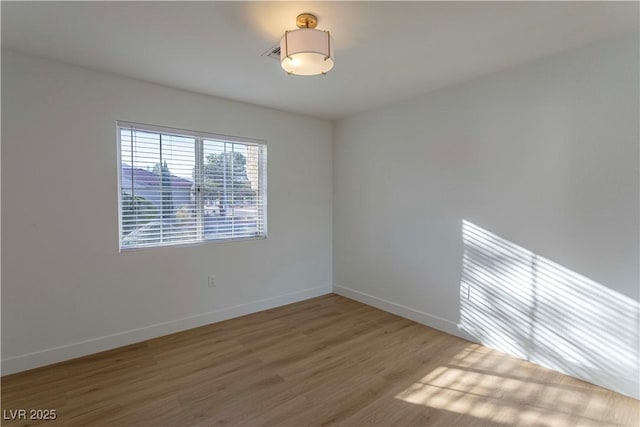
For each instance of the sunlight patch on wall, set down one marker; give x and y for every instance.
(518, 302)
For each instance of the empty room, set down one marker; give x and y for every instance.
(320, 213)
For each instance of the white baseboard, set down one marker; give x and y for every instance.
(61, 353)
(404, 311)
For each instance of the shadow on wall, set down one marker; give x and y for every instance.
(523, 304)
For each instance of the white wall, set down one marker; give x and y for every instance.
(541, 162)
(66, 290)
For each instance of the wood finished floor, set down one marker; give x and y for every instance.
(328, 360)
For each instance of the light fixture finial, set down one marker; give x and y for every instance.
(306, 20)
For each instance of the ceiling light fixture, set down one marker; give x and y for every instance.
(306, 51)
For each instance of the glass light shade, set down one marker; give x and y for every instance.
(306, 52)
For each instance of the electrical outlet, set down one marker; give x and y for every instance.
(212, 281)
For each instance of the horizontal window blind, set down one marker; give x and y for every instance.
(181, 187)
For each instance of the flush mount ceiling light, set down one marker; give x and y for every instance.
(306, 51)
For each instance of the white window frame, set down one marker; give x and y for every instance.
(198, 165)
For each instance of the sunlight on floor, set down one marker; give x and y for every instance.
(485, 384)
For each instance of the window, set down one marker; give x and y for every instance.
(180, 186)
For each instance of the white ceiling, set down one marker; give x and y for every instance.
(385, 51)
